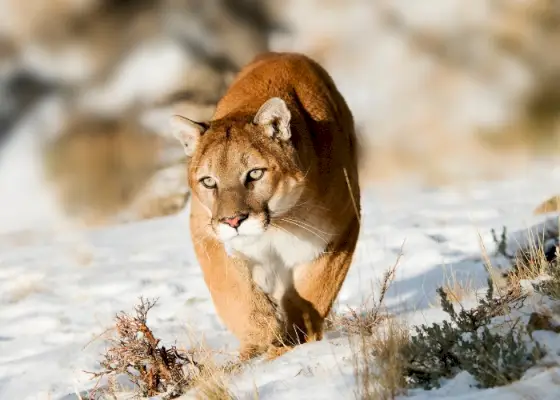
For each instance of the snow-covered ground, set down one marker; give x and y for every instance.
(59, 293)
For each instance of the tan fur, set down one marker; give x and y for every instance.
(274, 283)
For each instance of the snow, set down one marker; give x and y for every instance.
(58, 293)
(26, 202)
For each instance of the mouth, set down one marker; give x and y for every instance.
(250, 229)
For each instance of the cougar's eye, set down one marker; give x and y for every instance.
(255, 174)
(208, 182)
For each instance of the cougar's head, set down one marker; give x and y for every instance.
(243, 169)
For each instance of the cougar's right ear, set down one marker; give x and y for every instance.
(188, 132)
(275, 117)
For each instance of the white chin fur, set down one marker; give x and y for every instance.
(250, 227)
(226, 232)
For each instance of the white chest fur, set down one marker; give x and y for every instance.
(274, 256)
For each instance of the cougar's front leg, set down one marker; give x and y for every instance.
(318, 283)
(243, 307)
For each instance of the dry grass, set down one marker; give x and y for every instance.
(380, 363)
(528, 266)
(457, 290)
(531, 262)
(211, 382)
(332, 321)
(365, 320)
(378, 342)
(536, 263)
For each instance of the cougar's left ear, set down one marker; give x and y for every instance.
(188, 132)
(274, 116)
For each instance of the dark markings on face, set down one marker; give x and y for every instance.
(266, 214)
(244, 160)
(225, 148)
(210, 144)
(255, 142)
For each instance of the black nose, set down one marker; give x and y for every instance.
(235, 221)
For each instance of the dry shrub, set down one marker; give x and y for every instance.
(156, 370)
(469, 342)
(153, 368)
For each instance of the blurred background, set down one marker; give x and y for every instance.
(442, 91)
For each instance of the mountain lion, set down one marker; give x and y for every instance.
(275, 211)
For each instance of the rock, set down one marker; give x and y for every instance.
(550, 205)
(541, 322)
(165, 193)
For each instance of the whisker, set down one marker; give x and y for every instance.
(307, 202)
(298, 206)
(307, 229)
(202, 237)
(306, 172)
(283, 229)
(308, 225)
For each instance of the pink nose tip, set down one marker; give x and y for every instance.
(235, 221)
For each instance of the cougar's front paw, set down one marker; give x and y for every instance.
(277, 351)
(249, 351)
